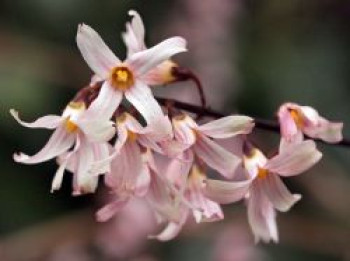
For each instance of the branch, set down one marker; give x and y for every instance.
(263, 124)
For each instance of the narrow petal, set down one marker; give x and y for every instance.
(143, 182)
(215, 156)
(46, 122)
(84, 181)
(261, 215)
(97, 130)
(59, 142)
(225, 192)
(58, 178)
(227, 127)
(278, 193)
(169, 232)
(328, 131)
(135, 34)
(103, 107)
(143, 61)
(95, 52)
(295, 159)
(141, 97)
(287, 124)
(109, 210)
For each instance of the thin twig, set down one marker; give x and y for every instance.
(263, 124)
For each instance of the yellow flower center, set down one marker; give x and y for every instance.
(121, 78)
(132, 136)
(74, 109)
(71, 126)
(262, 173)
(298, 119)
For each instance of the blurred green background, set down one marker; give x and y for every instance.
(273, 51)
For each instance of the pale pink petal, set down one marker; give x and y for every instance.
(284, 143)
(103, 107)
(184, 130)
(135, 34)
(141, 97)
(328, 131)
(204, 209)
(227, 127)
(59, 142)
(278, 193)
(261, 215)
(143, 182)
(109, 210)
(178, 169)
(126, 168)
(95, 52)
(101, 155)
(97, 130)
(84, 181)
(143, 61)
(287, 124)
(46, 122)
(58, 178)
(225, 192)
(169, 232)
(294, 160)
(216, 156)
(160, 129)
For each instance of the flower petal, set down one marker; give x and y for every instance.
(103, 107)
(141, 97)
(95, 52)
(225, 192)
(227, 127)
(109, 210)
(295, 159)
(287, 124)
(278, 193)
(135, 34)
(169, 232)
(215, 156)
(143, 61)
(261, 215)
(84, 182)
(46, 122)
(328, 131)
(59, 142)
(97, 130)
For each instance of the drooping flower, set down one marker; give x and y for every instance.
(267, 191)
(197, 140)
(78, 140)
(125, 78)
(134, 39)
(296, 120)
(129, 175)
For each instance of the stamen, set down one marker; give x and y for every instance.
(71, 126)
(298, 119)
(132, 136)
(262, 173)
(121, 78)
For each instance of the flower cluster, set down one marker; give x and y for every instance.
(161, 156)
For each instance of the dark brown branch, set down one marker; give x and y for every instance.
(262, 124)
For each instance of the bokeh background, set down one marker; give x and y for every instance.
(250, 55)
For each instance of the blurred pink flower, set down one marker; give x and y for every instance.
(296, 120)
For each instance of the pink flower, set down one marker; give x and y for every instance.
(267, 192)
(197, 140)
(296, 120)
(129, 175)
(134, 38)
(76, 128)
(125, 78)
